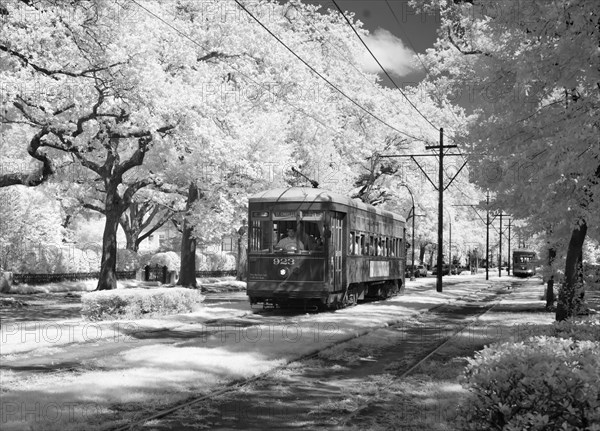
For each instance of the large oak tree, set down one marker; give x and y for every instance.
(532, 73)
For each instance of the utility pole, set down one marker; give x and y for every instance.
(449, 241)
(450, 244)
(509, 256)
(440, 188)
(438, 284)
(500, 249)
(440, 250)
(487, 237)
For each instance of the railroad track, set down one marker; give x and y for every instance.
(441, 314)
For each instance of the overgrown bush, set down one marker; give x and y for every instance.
(127, 260)
(544, 383)
(582, 329)
(170, 259)
(139, 303)
(28, 258)
(217, 261)
(591, 276)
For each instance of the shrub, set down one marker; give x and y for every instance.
(170, 259)
(582, 329)
(218, 261)
(139, 303)
(47, 258)
(544, 383)
(127, 260)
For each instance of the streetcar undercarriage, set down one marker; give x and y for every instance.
(329, 301)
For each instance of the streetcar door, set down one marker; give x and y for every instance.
(338, 244)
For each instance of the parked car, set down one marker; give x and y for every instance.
(409, 271)
(420, 271)
(456, 270)
(445, 269)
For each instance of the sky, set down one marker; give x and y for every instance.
(394, 39)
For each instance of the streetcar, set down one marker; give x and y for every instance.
(318, 250)
(524, 263)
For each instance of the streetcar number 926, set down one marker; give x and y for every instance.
(283, 261)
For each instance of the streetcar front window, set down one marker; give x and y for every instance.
(287, 232)
(523, 258)
(299, 236)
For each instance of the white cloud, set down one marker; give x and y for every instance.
(391, 52)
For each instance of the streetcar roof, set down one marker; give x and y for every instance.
(307, 194)
(524, 251)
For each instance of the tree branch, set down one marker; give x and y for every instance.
(94, 208)
(165, 218)
(87, 73)
(462, 51)
(144, 223)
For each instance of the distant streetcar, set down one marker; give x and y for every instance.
(524, 263)
(316, 249)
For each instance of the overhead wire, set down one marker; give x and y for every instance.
(380, 66)
(321, 76)
(427, 72)
(266, 88)
(361, 73)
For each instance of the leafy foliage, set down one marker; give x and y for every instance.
(544, 383)
(218, 261)
(139, 303)
(578, 329)
(170, 259)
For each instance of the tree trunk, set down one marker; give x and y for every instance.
(567, 298)
(242, 258)
(187, 272)
(550, 286)
(108, 265)
(422, 248)
(433, 250)
(131, 240)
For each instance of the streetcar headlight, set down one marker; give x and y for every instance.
(283, 272)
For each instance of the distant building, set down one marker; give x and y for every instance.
(159, 238)
(165, 234)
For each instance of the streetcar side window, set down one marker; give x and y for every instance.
(391, 247)
(380, 250)
(355, 244)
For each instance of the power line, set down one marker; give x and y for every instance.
(361, 73)
(321, 76)
(407, 37)
(382, 68)
(427, 72)
(300, 110)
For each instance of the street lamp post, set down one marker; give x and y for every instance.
(449, 242)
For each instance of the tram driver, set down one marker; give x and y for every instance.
(290, 242)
